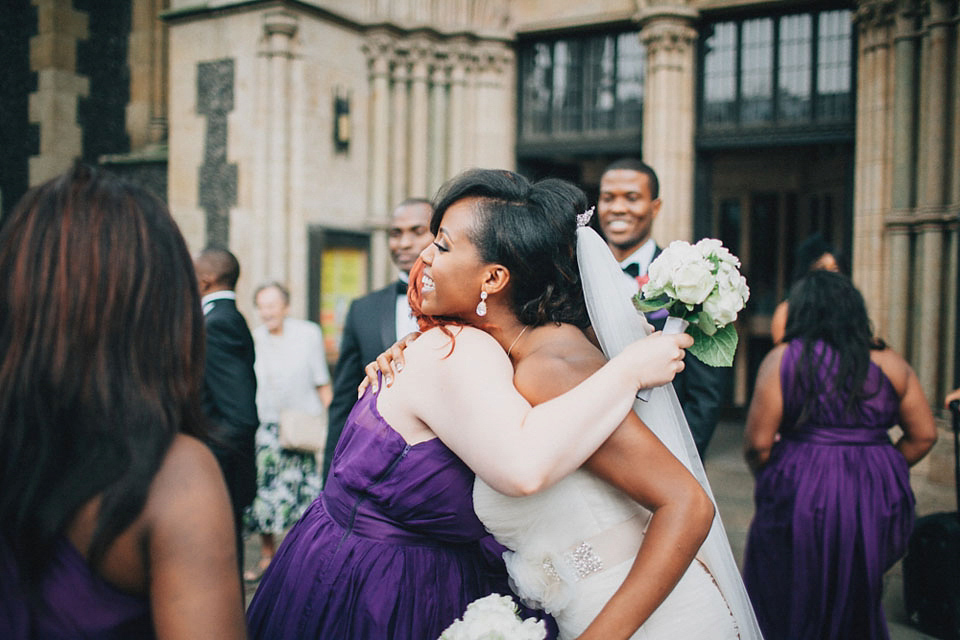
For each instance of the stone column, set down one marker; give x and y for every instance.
(952, 273)
(928, 307)
(495, 111)
(53, 105)
(904, 106)
(931, 197)
(399, 132)
(898, 262)
(874, 163)
(459, 56)
(668, 34)
(419, 112)
(439, 116)
(955, 180)
(470, 108)
(377, 49)
(933, 120)
(279, 28)
(146, 112)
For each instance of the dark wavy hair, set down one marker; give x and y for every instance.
(531, 229)
(101, 337)
(826, 307)
(809, 251)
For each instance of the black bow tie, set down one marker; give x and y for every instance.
(401, 288)
(632, 270)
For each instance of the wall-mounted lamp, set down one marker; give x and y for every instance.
(341, 121)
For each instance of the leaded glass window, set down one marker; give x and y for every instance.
(581, 85)
(789, 72)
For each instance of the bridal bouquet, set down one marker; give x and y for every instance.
(701, 285)
(494, 617)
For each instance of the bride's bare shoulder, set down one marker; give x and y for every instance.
(562, 358)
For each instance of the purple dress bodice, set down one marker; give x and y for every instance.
(382, 488)
(829, 421)
(74, 603)
(390, 550)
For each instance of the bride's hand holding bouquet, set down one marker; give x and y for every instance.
(701, 287)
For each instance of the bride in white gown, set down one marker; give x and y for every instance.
(608, 550)
(573, 544)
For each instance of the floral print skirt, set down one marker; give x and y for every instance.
(287, 482)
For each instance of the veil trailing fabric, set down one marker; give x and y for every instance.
(617, 323)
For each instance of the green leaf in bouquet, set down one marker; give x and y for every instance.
(705, 323)
(716, 350)
(647, 305)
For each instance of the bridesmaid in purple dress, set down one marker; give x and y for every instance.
(392, 548)
(834, 507)
(114, 523)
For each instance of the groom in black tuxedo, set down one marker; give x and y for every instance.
(229, 383)
(377, 320)
(628, 204)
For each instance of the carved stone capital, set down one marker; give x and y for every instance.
(875, 14)
(493, 58)
(280, 22)
(279, 28)
(668, 33)
(378, 48)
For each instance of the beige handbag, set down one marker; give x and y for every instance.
(302, 431)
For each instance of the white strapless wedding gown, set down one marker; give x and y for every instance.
(572, 546)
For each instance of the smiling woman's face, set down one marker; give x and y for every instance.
(453, 271)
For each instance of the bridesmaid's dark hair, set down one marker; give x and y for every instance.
(531, 229)
(101, 337)
(826, 306)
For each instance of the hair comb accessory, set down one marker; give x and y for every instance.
(583, 219)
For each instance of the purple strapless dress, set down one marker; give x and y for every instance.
(74, 603)
(390, 549)
(834, 510)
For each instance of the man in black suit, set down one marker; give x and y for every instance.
(377, 320)
(229, 383)
(628, 204)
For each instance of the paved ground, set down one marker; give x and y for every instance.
(733, 487)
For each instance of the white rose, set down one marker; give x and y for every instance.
(723, 305)
(728, 277)
(713, 247)
(693, 281)
(661, 271)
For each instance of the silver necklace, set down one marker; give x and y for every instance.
(514, 343)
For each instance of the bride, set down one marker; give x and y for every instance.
(608, 550)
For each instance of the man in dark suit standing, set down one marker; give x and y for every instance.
(229, 383)
(628, 204)
(377, 320)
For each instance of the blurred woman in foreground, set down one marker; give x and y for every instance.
(114, 517)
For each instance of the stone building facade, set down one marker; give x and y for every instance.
(288, 129)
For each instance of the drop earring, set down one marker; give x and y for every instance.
(482, 307)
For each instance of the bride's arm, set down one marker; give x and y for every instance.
(469, 401)
(634, 460)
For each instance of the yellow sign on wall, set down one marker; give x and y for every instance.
(343, 277)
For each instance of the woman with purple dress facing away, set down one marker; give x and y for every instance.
(114, 517)
(392, 549)
(834, 506)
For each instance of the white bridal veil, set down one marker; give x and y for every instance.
(608, 295)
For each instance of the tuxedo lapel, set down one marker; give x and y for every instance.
(388, 318)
